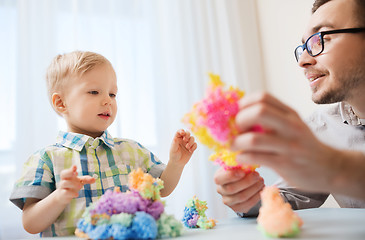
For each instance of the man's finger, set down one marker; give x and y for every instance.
(244, 207)
(241, 185)
(270, 160)
(258, 142)
(266, 98)
(223, 177)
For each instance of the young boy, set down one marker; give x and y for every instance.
(59, 181)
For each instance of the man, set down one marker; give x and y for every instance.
(327, 155)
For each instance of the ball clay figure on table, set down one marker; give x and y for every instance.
(194, 214)
(135, 214)
(276, 217)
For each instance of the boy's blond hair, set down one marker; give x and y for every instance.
(68, 65)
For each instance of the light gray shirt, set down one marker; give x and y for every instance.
(337, 126)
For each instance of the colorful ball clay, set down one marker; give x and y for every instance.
(194, 215)
(212, 120)
(136, 214)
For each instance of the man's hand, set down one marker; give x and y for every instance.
(286, 145)
(239, 191)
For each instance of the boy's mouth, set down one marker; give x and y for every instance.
(104, 115)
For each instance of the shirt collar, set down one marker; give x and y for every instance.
(348, 115)
(77, 141)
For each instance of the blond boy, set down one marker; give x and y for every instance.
(60, 180)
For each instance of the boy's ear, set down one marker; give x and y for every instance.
(58, 103)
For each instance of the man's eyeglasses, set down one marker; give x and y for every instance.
(315, 44)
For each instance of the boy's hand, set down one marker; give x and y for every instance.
(182, 147)
(71, 184)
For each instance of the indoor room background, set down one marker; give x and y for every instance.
(162, 51)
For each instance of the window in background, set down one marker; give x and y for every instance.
(8, 40)
(161, 51)
(8, 75)
(124, 38)
(67, 29)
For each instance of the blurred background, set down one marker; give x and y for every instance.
(162, 51)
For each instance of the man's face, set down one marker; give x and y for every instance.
(338, 73)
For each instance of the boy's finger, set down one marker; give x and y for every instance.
(187, 136)
(191, 140)
(180, 133)
(86, 180)
(68, 173)
(193, 148)
(70, 185)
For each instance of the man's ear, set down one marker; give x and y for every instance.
(58, 103)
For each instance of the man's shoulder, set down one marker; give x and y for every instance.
(328, 124)
(325, 113)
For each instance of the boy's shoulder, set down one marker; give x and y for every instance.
(125, 141)
(49, 150)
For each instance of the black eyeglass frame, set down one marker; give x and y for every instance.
(321, 35)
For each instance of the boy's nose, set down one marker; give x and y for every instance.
(107, 100)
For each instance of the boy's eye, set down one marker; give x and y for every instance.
(94, 92)
(112, 95)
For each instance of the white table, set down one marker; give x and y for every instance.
(320, 223)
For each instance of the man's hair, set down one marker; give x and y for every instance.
(360, 9)
(68, 65)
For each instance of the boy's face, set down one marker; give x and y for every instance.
(90, 101)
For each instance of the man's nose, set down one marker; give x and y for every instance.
(306, 60)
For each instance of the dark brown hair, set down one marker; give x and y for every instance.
(360, 9)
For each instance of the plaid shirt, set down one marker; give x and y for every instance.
(106, 159)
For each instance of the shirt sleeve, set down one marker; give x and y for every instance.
(253, 212)
(296, 198)
(36, 181)
(299, 199)
(157, 169)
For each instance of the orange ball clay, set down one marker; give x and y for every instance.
(145, 184)
(276, 217)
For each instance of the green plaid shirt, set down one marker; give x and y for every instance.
(107, 159)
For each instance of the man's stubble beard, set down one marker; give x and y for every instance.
(347, 85)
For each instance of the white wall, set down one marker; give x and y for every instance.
(281, 24)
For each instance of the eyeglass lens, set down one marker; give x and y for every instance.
(298, 52)
(314, 45)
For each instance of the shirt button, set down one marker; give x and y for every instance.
(95, 176)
